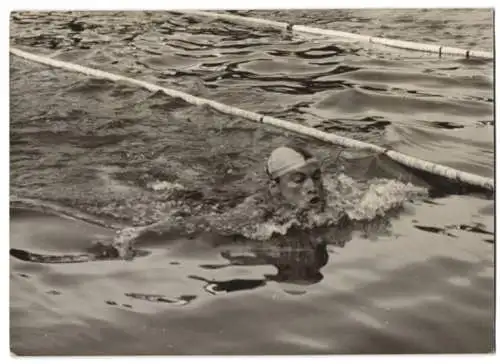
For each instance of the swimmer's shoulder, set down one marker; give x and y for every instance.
(254, 207)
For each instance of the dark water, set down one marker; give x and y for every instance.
(418, 281)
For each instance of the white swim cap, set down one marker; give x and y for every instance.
(284, 159)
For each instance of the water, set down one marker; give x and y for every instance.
(417, 280)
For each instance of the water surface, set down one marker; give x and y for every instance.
(421, 284)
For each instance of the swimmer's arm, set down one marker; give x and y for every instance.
(125, 239)
(228, 223)
(180, 226)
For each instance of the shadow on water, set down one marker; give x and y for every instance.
(293, 265)
(300, 263)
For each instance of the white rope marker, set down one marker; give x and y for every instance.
(432, 48)
(408, 161)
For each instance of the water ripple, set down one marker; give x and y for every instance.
(114, 154)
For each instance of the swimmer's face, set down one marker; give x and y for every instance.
(303, 187)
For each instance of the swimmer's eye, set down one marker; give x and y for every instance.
(298, 177)
(316, 175)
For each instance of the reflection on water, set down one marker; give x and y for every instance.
(298, 258)
(381, 279)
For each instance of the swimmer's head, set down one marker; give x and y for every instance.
(297, 175)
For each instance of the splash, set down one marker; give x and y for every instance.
(364, 201)
(257, 219)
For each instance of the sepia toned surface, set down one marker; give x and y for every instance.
(120, 153)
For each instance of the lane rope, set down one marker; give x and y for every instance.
(409, 161)
(394, 43)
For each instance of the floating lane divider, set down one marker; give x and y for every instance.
(432, 48)
(436, 169)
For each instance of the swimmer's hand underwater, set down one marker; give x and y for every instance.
(122, 245)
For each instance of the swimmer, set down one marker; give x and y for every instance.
(293, 204)
(295, 186)
(295, 189)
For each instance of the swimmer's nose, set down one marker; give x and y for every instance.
(310, 187)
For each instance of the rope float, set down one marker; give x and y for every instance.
(432, 48)
(436, 169)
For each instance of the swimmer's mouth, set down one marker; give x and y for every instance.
(314, 200)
